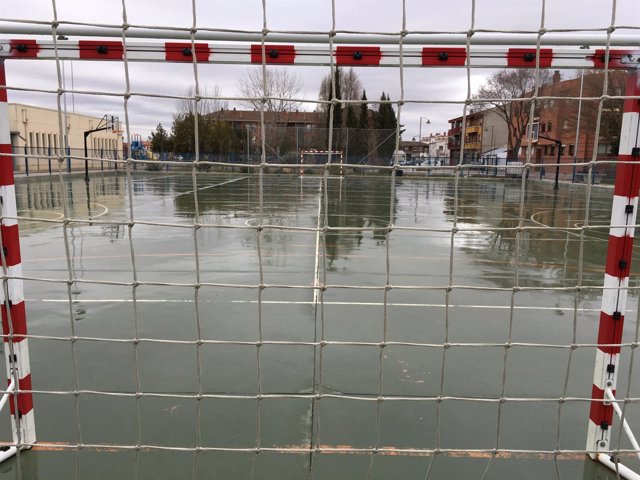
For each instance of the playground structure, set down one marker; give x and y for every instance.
(138, 148)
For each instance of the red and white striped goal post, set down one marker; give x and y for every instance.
(14, 321)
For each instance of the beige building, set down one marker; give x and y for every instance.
(36, 141)
(438, 145)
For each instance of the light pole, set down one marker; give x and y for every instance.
(428, 123)
(559, 147)
(487, 128)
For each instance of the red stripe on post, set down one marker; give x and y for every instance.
(600, 412)
(3, 83)
(24, 400)
(526, 57)
(24, 48)
(358, 55)
(11, 244)
(619, 256)
(183, 52)
(444, 57)
(627, 176)
(18, 320)
(100, 50)
(277, 54)
(615, 56)
(6, 165)
(610, 332)
(632, 105)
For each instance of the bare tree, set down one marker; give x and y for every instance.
(211, 102)
(611, 113)
(278, 90)
(350, 88)
(502, 91)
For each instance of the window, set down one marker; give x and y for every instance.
(572, 149)
(565, 124)
(534, 132)
(549, 125)
(603, 149)
(562, 149)
(543, 127)
(552, 149)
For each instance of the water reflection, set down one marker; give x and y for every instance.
(545, 257)
(287, 201)
(357, 203)
(43, 197)
(554, 254)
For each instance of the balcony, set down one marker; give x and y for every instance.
(454, 131)
(474, 129)
(472, 145)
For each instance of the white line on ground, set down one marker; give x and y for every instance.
(316, 268)
(311, 302)
(233, 180)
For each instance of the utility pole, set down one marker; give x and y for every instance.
(559, 148)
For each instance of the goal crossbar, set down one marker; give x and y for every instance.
(430, 56)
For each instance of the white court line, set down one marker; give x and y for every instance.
(212, 186)
(305, 302)
(57, 216)
(106, 210)
(316, 268)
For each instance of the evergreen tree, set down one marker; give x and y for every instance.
(361, 135)
(213, 136)
(337, 112)
(363, 120)
(386, 124)
(159, 140)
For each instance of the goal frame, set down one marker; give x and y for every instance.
(331, 155)
(495, 53)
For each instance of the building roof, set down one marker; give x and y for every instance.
(411, 143)
(48, 109)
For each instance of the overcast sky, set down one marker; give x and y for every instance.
(430, 85)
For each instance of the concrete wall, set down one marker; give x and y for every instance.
(35, 136)
(494, 133)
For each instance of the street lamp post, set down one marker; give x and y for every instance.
(428, 123)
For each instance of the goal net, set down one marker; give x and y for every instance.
(375, 247)
(313, 158)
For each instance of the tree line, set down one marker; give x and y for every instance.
(364, 128)
(354, 125)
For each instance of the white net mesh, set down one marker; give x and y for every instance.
(234, 304)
